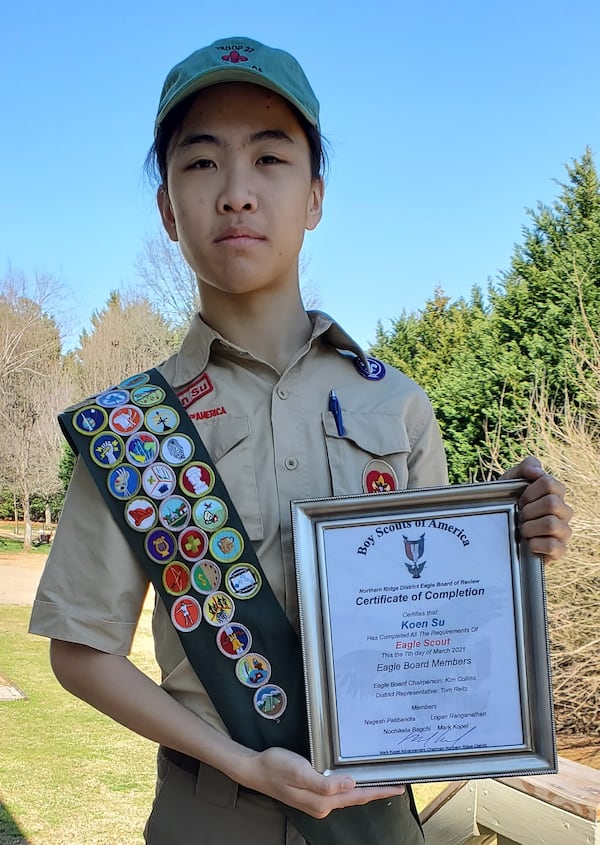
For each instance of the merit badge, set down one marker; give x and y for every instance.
(140, 514)
(379, 477)
(253, 670)
(197, 479)
(243, 580)
(112, 398)
(158, 481)
(186, 613)
(210, 514)
(162, 420)
(226, 545)
(234, 640)
(270, 701)
(89, 420)
(193, 544)
(206, 576)
(135, 381)
(125, 419)
(141, 448)
(176, 449)
(218, 609)
(124, 482)
(161, 545)
(375, 372)
(176, 578)
(174, 513)
(106, 449)
(147, 395)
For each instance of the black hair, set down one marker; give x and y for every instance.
(156, 159)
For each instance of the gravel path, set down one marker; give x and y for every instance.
(19, 577)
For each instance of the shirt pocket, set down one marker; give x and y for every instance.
(229, 442)
(368, 437)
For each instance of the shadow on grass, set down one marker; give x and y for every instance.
(10, 832)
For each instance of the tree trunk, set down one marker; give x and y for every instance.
(16, 513)
(28, 533)
(48, 516)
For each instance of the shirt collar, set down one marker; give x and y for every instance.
(194, 354)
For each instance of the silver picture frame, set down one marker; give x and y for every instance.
(424, 636)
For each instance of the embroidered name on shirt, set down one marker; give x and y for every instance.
(206, 415)
(201, 386)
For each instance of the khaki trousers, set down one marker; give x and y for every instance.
(211, 809)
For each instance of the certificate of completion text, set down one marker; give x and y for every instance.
(422, 633)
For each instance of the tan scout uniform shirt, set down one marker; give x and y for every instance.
(273, 440)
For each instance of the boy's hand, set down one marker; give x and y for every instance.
(291, 779)
(545, 515)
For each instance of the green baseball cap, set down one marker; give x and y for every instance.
(239, 59)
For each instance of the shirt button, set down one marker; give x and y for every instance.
(282, 393)
(291, 463)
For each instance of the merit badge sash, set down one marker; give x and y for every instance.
(165, 494)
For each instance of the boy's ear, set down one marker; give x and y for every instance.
(166, 213)
(314, 208)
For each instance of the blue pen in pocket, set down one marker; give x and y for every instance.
(334, 407)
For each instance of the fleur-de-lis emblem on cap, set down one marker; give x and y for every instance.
(234, 57)
(414, 550)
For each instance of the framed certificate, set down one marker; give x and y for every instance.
(423, 625)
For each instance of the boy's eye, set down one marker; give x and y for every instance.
(201, 164)
(269, 159)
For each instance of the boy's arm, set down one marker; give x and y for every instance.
(115, 686)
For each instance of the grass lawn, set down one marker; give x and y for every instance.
(69, 775)
(10, 546)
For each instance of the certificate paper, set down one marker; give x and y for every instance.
(424, 636)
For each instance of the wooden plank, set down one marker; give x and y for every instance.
(523, 818)
(452, 822)
(575, 788)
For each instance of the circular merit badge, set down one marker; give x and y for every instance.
(174, 513)
(206, 577)
(90, 420)
(161, 545)
(234, 640)
(253, 670)
(126, 419)
(124, 482)
(270, 701)
(176, 578)
(140, 514)
(243, 580)
(106, 449)
(186, 613)
(162, 419)
(141, 449)
(135, 381)
(197, 479)
(193, 544)
(210, 513)
(218, 609)
(226, 545)
(176, 449)
(158, 481)
(147, 395)
(375, 371)
(112, 398)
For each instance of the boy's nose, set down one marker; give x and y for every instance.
(236, 196)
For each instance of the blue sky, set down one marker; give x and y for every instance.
(446, 121)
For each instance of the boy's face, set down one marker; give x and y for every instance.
(239, 192)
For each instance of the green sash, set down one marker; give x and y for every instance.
(165, 494)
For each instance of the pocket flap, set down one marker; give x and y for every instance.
(378, 434)
(222, 437)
